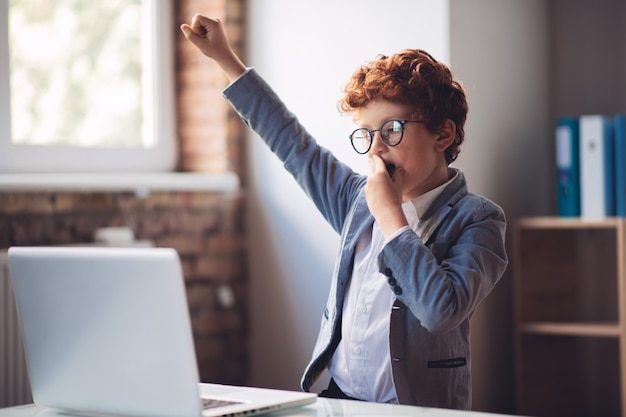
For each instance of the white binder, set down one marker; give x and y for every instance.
(597, 167)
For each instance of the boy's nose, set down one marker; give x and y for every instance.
(378, 145)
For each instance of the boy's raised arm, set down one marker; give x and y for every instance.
(209, 37)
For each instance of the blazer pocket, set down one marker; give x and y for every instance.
(448, 363)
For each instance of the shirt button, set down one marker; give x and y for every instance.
(356, 350)
(388, 272)
(362, 308)
(392, 281)
(358, 390)
(397, 290)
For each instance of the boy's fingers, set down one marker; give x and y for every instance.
(376, 163)
(199, 28)
(203, 25)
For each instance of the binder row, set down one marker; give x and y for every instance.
(591, 166)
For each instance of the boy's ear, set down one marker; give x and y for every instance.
(447, 135)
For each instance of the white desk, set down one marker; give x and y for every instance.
(321, 408)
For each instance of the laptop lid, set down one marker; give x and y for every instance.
(107, 330)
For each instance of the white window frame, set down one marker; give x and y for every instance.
(162, 157)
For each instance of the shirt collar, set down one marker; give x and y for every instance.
(422, 202)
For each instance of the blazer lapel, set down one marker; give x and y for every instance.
(441, 207)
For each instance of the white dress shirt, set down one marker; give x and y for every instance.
(361, 364)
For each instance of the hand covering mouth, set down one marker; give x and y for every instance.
(390, 168)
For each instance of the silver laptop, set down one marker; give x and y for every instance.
(107, 330)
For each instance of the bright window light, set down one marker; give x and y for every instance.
(89, 86)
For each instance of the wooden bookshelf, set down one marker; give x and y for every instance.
(570, 320)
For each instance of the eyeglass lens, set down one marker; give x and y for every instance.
(390, 132)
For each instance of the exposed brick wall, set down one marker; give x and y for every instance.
(207, 229)
(207, 143)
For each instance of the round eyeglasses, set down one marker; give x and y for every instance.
(391, 132)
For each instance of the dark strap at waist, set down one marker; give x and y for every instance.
(333, 391)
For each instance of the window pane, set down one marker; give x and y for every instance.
(76, 72)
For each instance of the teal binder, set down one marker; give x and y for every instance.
(567, 167)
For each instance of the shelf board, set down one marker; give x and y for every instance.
(572, 329)
(548, 222)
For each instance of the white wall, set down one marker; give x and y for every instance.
(307, 51)
(500, 50)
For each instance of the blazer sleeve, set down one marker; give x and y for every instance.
(443, 280)
(330, 184)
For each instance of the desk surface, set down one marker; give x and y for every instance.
(321, 408)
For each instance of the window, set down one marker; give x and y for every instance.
(86, 86)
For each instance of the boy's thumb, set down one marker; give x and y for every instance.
(189, 33)
(186, 30)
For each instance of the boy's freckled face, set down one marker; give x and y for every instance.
(424, 166)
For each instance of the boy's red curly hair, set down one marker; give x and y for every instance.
(411, 77)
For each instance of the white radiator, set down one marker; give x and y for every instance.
(14, 384)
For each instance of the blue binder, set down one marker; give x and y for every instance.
(567, 167)
(620, 164)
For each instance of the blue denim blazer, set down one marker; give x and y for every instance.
(439, 274)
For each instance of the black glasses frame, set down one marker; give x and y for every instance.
(385, 137)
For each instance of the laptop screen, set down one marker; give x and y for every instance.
(106, 330)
